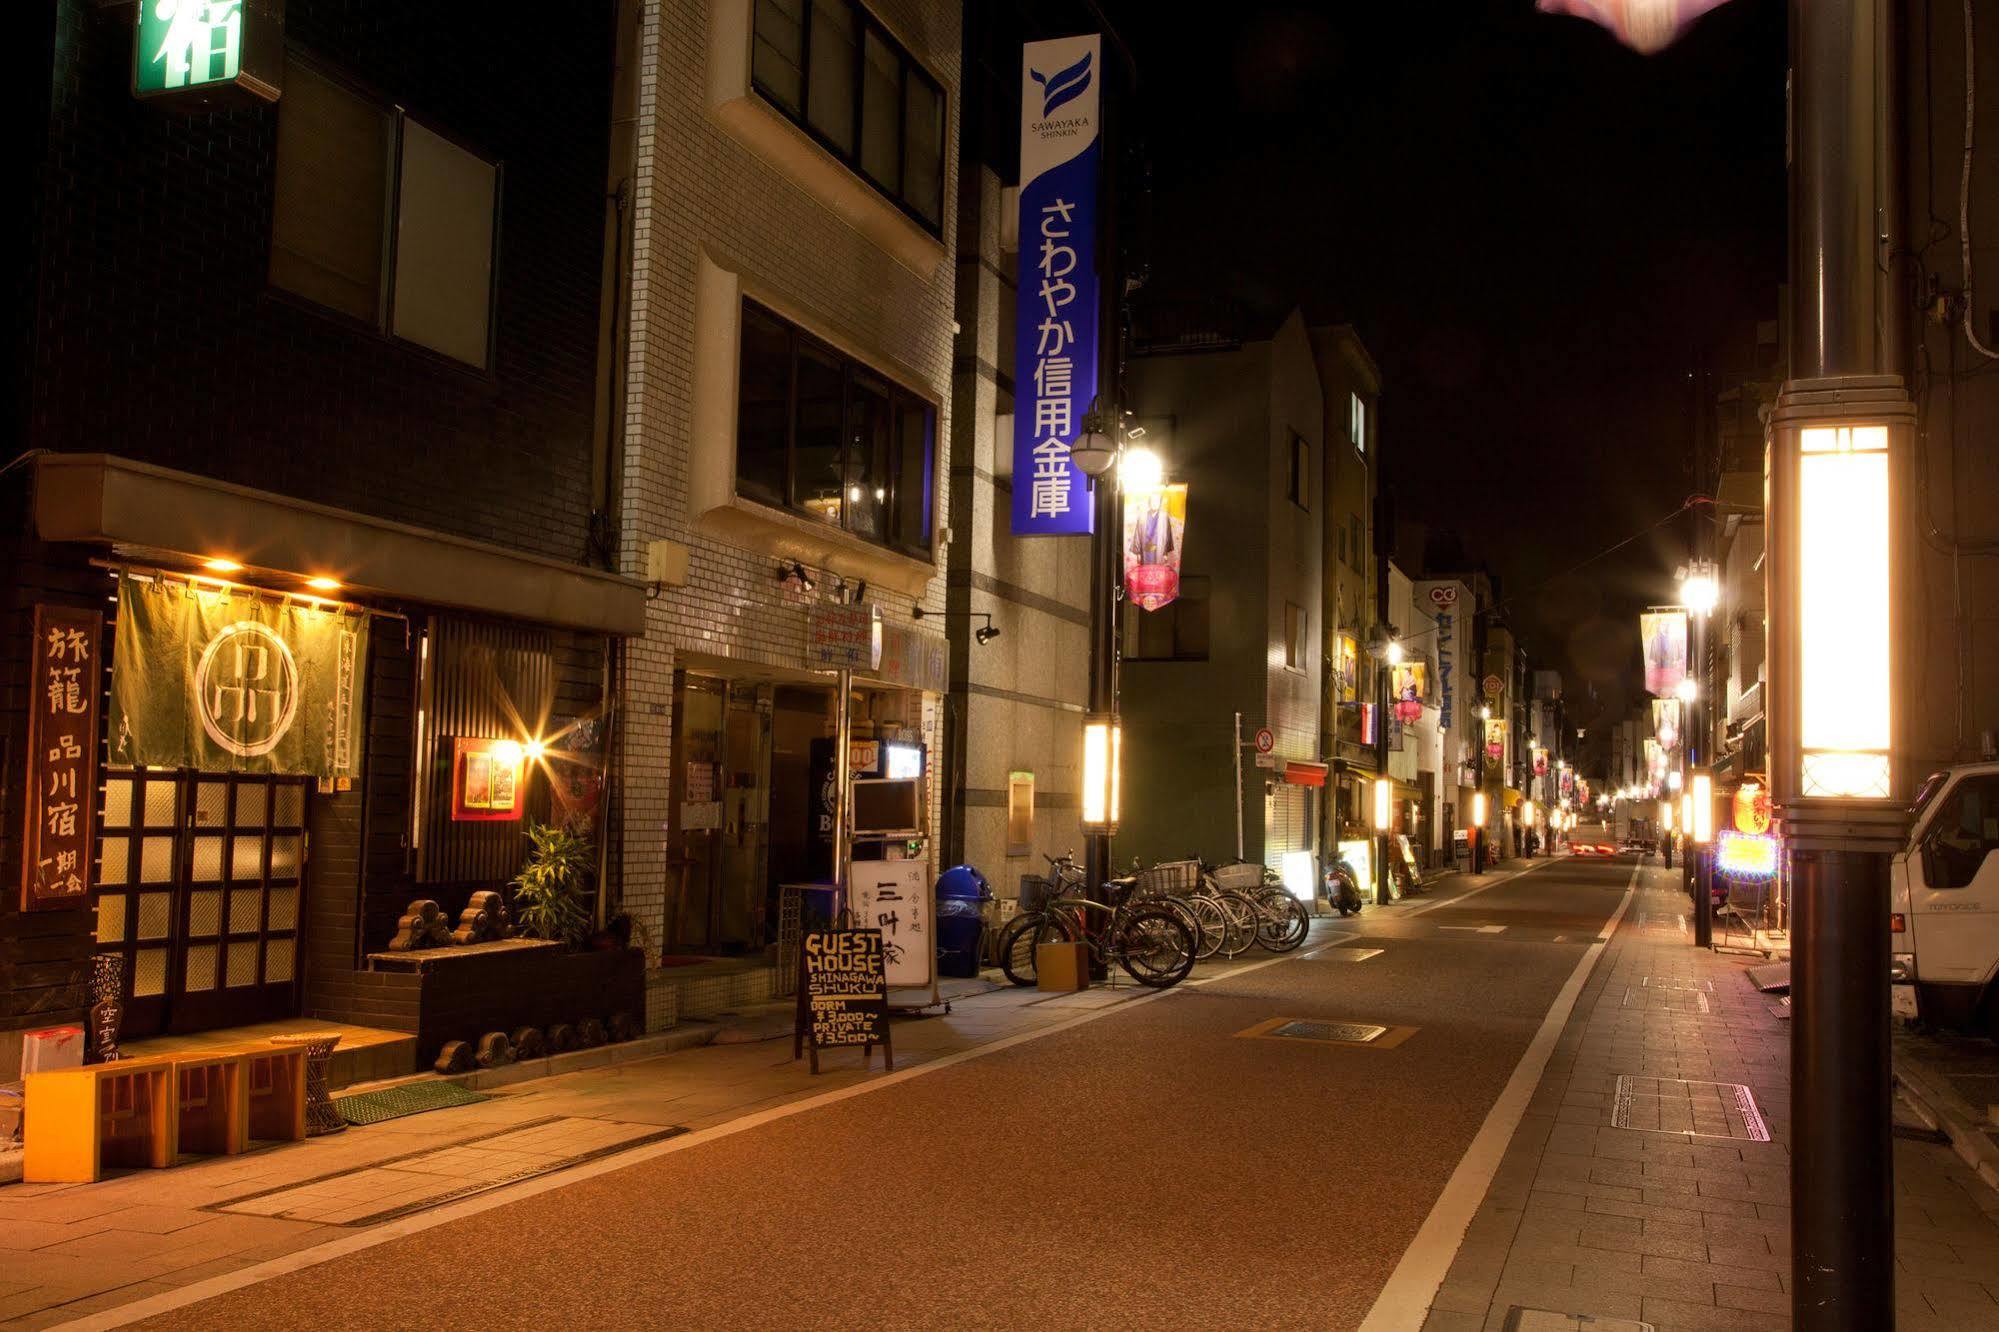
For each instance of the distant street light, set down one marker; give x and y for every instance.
(1140, 469)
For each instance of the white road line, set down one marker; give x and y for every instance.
(1453, 901)
(168, 1301)
(1405, 1301)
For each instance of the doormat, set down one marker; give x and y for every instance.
(411, 1099)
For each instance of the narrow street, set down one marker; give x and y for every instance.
(1157, 1159)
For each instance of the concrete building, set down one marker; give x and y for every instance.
(786, 403)
(1243, 426)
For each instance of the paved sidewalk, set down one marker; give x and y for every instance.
(1687, 1232)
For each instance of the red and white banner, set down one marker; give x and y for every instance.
(1646, 26)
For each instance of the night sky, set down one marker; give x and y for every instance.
(1539, 234)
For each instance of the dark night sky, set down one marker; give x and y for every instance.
(1538, 233)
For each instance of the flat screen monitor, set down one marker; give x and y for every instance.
(887, 806)
(900, 759)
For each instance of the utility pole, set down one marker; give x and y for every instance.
(1843, 426)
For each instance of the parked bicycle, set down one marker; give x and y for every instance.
(1150, 941)
(1277, 920)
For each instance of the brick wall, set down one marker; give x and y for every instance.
(696, 187)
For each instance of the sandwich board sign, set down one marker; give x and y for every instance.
(842, 995)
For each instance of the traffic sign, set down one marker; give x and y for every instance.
(1265, 741)
(1494, 686)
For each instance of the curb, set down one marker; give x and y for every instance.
(1931, 1096)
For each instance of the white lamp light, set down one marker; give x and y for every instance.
(1702, 799)
(1139, 470)
(1103, 744)
(1384, 813)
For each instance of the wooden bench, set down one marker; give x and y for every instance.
(82, 1121)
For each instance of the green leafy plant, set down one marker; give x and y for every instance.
(549, 889)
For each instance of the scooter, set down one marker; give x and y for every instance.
(1342, 889)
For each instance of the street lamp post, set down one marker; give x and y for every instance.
(1700, 591)
(1840, 442)
(1384, 819)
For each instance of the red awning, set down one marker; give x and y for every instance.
(1299, 773)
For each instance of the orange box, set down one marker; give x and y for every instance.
(1062, 966)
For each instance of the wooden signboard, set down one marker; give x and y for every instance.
(62, 757)
(842, 994)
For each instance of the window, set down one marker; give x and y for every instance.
(821, 434)
(830, 68)
(1966, 828)
(351, 174)
(1294, 637)
(1357, 422)
(1300, 488)
(1177, 631)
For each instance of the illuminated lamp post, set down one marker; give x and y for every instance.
(1384, 819)
(1103, 755)
(1477, 832)
(1700, 591)
(1840, 440)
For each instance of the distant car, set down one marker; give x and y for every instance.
(1582, 849)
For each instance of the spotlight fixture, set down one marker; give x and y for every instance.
(983, 635)
(793, 577)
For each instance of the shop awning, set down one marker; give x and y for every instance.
(1509, 797)
(155, 513)
(1301, 772)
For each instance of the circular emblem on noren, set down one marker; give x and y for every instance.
(246, 689)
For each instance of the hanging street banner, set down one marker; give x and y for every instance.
(65, 679)
(225, 680)
(1666, 723)
(1540, 761)
(1055, 379)
(1346, 667)
(1664, 634)
(1410, 686)
(1155, 525)
(1646, 26)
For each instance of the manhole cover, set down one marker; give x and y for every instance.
(1688, 1109)
(1350, 1033)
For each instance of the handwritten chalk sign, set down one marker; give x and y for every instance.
(842, 994)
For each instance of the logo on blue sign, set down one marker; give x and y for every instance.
(1066, 86)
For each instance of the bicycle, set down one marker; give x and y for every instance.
(1151, 942)
(1262, 905)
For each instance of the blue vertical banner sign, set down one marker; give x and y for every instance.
(1055, 362)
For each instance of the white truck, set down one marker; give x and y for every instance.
(1944, 903)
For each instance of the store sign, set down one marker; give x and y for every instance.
(209, 47)
(895, 897)
(1346, 668)
(1056, 342)
(914, 660)
(1665, 638)
(844, 638)
(1410, 682)
(1751, 809)
(1745, 856)
(1493, 687)
(842, 992)
(1446, 655)
(224, 680)
(488, 780)
(1155, 525)
(1495, 741)
(64, 682)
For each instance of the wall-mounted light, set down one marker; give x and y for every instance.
(1093, 451)
(1103, 756)
(1702, 799)
(221, 566)
(323, 584)
(1139, 469)
(1700, 591)
(983, 635)
(792, 577)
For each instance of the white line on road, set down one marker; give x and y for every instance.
(168, 1301)
(1453, 901)
(1405, 1301)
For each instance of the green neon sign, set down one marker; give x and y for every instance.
(187, 44)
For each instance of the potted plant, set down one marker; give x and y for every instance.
(549, 889)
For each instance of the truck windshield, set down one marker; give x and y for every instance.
(1927, 792)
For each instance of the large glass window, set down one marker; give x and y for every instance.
(832, 68)
(822, 434)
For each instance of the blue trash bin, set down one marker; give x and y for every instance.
(962, 895)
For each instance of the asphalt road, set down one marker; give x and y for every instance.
(1151, 1168)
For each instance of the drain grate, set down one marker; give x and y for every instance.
(1347, 1033)
(1687, 1109)
(1522, 1319)
(1677, 983)
(1666, 1001)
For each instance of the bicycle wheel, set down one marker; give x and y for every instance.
(1020, 938)
(1242, 917)
(1284, 920)
(1211, 926)
(1155, 947)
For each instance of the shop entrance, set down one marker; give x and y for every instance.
(199, 885)
(722, 776)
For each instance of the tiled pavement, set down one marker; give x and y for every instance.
(1687, 1232)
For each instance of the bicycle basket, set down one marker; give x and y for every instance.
(1239, 877)
(1035, 890)
(1168, 878)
